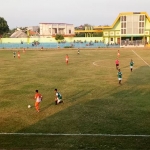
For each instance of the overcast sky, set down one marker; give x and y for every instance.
(21, 13)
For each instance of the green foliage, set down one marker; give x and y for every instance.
(67, 46)
(80, 35)
(4, 28)
(59, 37)
(98, 34)
(6, 35)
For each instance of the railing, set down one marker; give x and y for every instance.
(132, 43)
(56, 45)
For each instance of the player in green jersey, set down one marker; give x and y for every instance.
(14, 54)
(131, 65)
(58, 97)
(119, 76)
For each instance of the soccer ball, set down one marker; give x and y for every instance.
(29, 106)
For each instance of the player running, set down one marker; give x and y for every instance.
(18, 54)
(58, 97)
(117, 64)
(67, 59)
(118, 54)
(119, 76)
(14, 54)
(131, 65)
(38, 99)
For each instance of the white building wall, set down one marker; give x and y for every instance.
(50, 29)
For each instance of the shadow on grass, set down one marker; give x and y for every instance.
(123, 110)
(120, 110)
(124, 99)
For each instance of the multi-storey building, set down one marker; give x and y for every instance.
(51, 29)
(129, 28)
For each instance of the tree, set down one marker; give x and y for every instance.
(4, 28)
(59, 37)
(99, 34)
(80, 35)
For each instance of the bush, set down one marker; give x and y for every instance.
(67, 46)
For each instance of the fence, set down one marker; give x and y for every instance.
(55, 45)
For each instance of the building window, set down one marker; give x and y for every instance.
(141, 24)
(111, 39)
(123, 24)
(141, 31)
(69, 31)
(124, 18)
(55, 31)
(124, 31)
(121, 31)
(141, 18)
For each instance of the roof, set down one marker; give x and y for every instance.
(56, 23)
(32, 33)
(18, 34)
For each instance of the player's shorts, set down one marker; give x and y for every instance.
(38, 99)
(117, 64)
(58, 100)
(131, 67)
(119, 78)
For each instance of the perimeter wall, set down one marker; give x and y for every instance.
(50, 40)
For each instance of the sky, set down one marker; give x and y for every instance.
(23, 13)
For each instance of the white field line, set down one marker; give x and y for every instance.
(140, 58)
(53, 134)
(95, 64)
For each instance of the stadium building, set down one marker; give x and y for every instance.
(129, 29)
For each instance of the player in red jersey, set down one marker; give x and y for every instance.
(38, 99)
(18, 54)
(67, 59)
(117, 64)
(118, 54)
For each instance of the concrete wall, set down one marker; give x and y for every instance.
(147, 24)
(49, 40)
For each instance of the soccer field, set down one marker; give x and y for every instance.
(97, 113)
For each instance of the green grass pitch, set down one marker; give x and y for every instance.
(94, 102)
